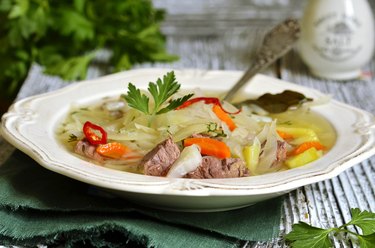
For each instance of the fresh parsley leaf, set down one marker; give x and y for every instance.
(74, 24)
(160, 91)
(303, 235)
(365, 220)
(136, 99)
(64, 38)
(173, 104)
(19, 9)
(72, 68)
(366, 241)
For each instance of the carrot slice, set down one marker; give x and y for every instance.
(307, 145)
(113, 150)
(210, 146)
(285, 135)
(222, 115)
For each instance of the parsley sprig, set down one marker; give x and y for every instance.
(38, 31)
(305, 236)
(160, 91)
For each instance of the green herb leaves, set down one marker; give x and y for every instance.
(365, 220)
(305, 236)
(160, 91)
(136, 99)
(64, 37)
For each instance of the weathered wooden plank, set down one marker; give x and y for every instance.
(368, 184)
(216, 17)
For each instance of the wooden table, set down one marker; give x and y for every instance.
(223, 36)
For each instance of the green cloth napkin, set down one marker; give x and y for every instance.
(38, 206)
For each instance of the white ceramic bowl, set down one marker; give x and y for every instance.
(30, 126)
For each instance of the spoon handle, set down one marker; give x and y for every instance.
(275, 44)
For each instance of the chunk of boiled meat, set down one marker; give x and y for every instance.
(158, 161)
(213, 167)
(281, 153)
(84, 148)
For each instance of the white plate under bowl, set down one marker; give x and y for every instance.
(30, 126)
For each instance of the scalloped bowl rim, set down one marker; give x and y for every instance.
(30, 126)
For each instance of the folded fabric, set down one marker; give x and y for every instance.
(38, 206)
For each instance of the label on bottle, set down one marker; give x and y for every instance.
(337, 37)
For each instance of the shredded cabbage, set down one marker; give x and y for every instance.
(141, 132)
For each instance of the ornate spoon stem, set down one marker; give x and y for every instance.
(275, 44)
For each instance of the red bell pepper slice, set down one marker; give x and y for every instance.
(91, 132)
(207, 100)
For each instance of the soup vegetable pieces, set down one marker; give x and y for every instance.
(92, 137)
(163, 132)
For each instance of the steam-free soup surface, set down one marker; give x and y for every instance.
(262, 143)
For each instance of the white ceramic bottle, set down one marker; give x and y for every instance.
(337, 37)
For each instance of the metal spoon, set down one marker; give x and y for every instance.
(276, 43)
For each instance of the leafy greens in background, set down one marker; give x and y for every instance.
(65, 36)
